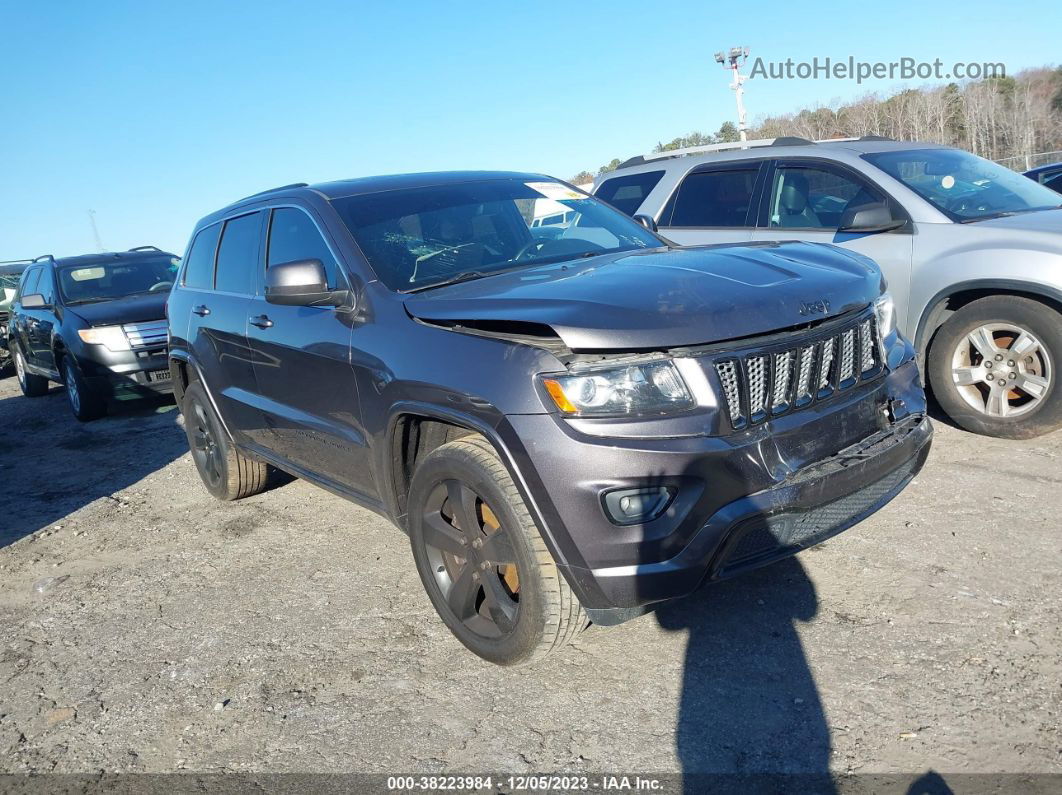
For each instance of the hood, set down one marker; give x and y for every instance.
(1039, 221)
(132, 309)
(665, 298)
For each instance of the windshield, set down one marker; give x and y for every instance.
(422, 237)
(963, 186)
(105, 281)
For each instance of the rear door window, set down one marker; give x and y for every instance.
(626, 194)
(238, 255)
(293, 236)
(720, 198)
(199, 267)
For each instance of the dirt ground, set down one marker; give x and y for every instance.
(146, 627)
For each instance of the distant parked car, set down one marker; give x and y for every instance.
(95, 323)
(10, 273)
(1050, 176)
(972, 251)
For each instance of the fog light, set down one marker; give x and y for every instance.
(636, 506)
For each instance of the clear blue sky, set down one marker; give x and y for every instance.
(154, 114)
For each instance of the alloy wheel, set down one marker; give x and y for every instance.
(205, 447)
(1002, 370)
(20, 369)
(71, 387)
(473, 559)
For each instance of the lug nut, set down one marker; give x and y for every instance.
(485, 565)
(1013, 376)
(1002, 382)
(475, 576)
(988, 365)
(1010, 364)
(477, 543)
(999, 357)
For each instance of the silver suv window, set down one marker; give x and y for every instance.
(814, 197)
(714, 198)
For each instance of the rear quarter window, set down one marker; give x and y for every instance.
(199, 265)
(626, 194)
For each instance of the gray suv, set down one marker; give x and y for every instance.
(569, 423)
(972, 251)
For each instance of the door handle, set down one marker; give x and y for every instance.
(262, 321)
(202, 310)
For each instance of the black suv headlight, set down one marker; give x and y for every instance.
(627, 390)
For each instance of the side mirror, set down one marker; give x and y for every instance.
(301, 283)
(646, 221)
(34, 301)
(873, 217)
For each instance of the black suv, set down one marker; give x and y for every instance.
(10, 275)
(568, 427)
(95, 323)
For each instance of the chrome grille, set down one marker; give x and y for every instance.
(847, 368)
(146, 335)
(779, 377)
(826, 361)
(756, 369)
(783, 371)
(728, 376)
(866, 346)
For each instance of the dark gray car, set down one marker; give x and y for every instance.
(573, 427)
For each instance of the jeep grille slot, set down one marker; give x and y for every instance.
(728, 376)
(758, 384)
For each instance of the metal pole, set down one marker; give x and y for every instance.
(739, 93)
(95, 231)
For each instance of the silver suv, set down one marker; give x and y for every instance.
(972, 251)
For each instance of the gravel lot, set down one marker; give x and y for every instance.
(146, 627)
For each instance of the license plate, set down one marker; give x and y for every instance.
(158, 375)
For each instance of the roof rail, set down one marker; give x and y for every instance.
(274, 190)
(146, 248)
(785, 140)
(43, 256)
(16, 262)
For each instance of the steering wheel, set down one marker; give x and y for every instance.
(533, 246)
(158, 287)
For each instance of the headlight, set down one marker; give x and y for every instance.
(110, 336)
(885, 310)
(652, 388)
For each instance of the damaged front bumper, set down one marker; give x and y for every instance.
(740, 501)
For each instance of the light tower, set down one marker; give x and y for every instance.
(733, 61)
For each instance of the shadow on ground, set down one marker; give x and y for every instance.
(51, 465)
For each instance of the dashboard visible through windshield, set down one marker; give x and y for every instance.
(963, 186)
(106, 281)
(419, 238)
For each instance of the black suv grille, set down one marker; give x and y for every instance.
(793, 374)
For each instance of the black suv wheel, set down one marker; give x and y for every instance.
(225, 471)
(993, 367)
(85, 403)
(482, 560)
(30, 384)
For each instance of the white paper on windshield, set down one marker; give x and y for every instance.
(555, 191)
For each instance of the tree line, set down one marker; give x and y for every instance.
(996, 118)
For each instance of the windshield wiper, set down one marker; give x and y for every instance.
(1008, 213)
(463, 276)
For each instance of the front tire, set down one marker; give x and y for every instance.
(482, 560)
(993, 367)
(30, 384)
(85, 404)
(224, 470)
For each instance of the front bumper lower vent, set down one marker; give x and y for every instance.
(762, 383)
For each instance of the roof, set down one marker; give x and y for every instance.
(1038, 169)
(769, 148)
(107, 256)
(358, 186)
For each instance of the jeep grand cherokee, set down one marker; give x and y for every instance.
(568, 427)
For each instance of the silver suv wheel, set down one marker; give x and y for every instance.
(1001, 370)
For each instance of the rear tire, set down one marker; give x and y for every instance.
(226, 472)
(84, 403)
(496, 586)
(993, 367)
(30, 384)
